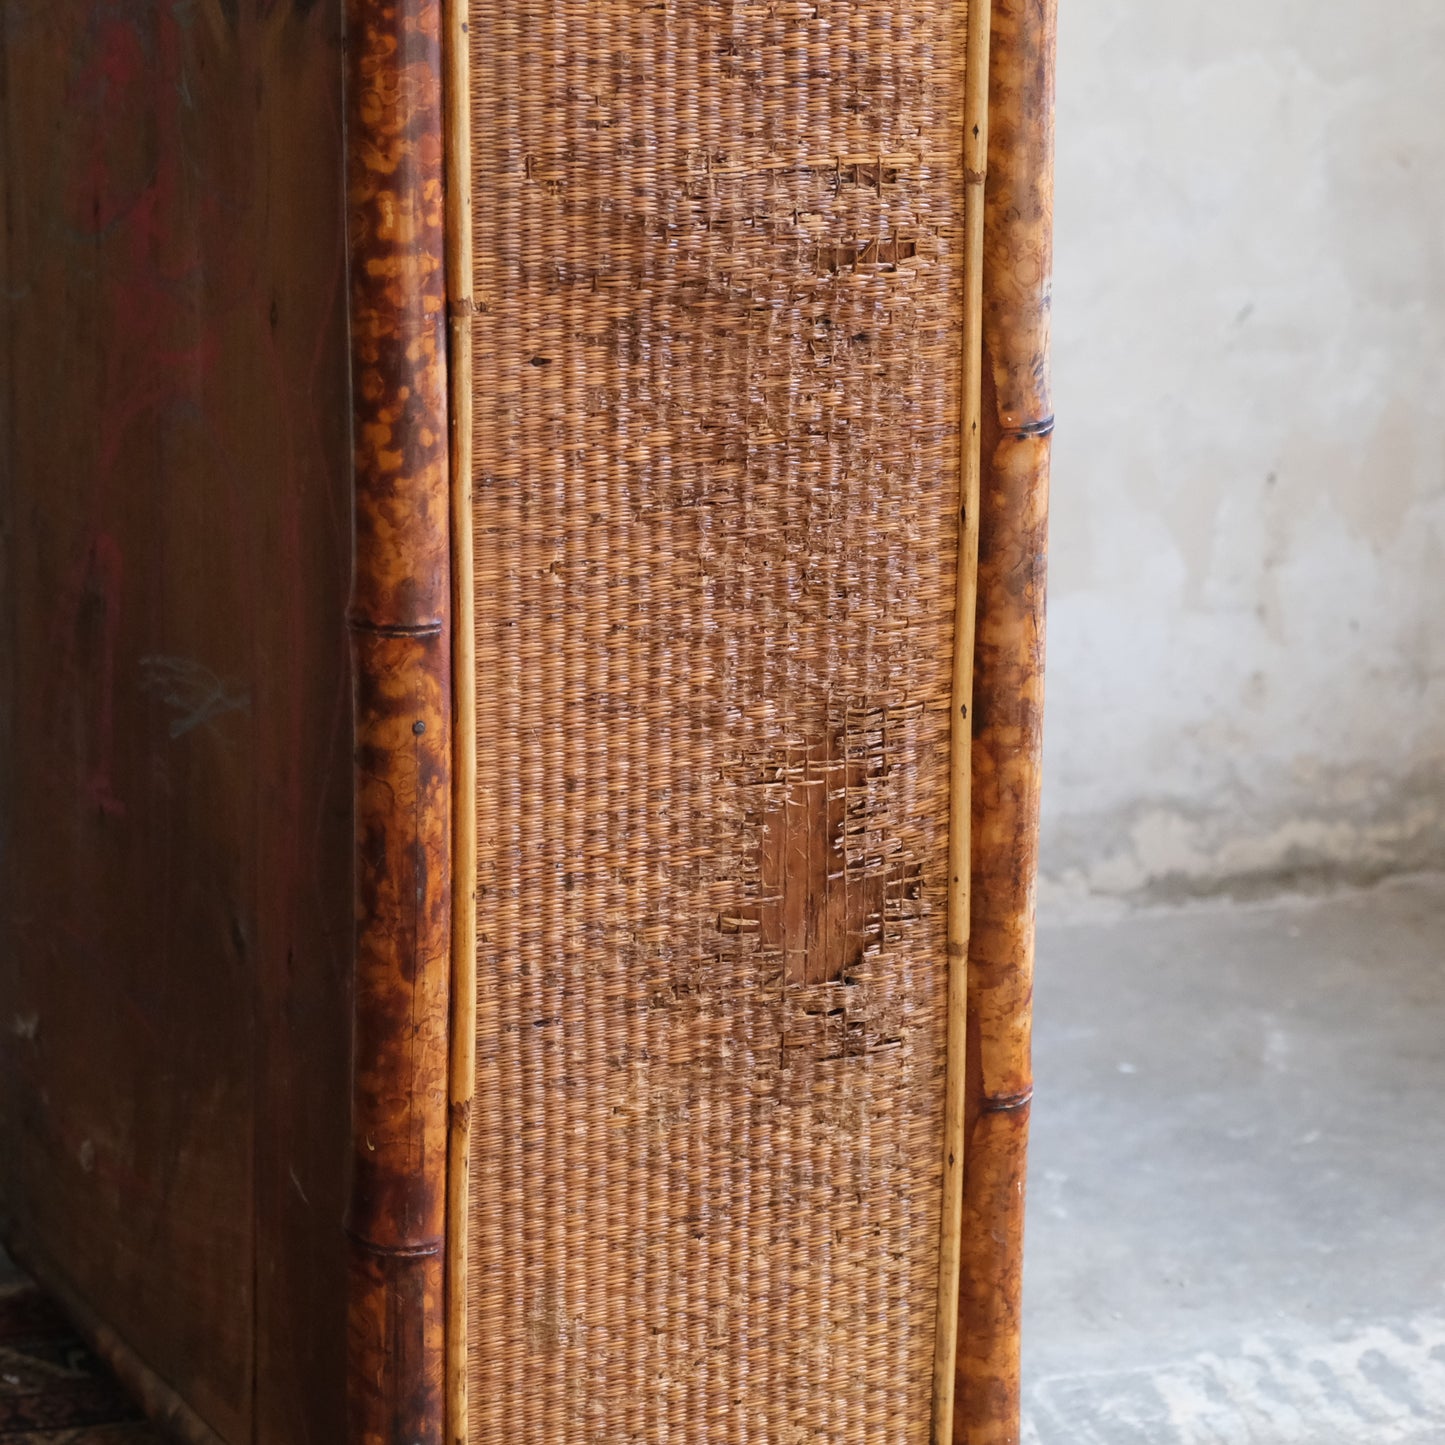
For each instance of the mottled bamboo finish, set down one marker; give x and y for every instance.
(1008, 703)
(401, 651)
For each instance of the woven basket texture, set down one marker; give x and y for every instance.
(718, 275)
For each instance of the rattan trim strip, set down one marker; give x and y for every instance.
(456, 59)
(960, 806)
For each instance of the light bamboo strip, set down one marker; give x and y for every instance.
(975, 160)
(463, 1058)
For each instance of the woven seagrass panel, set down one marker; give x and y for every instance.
(717, 265)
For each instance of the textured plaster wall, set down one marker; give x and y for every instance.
(1247, 615)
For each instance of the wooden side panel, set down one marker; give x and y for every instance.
(176, 907)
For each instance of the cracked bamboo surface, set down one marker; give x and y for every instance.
(175, 781)
(399, 618)
(719, 278)
(1008, 703)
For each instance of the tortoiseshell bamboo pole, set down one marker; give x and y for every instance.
(401, 647)
(1008, 702)
(975, 157)
(457, 58)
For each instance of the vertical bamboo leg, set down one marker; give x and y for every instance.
(401, 649)
(1008, 698)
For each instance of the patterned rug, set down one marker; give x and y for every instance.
(53, 1391)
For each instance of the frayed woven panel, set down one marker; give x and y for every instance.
(717, 267)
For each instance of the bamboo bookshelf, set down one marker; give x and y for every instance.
(612, 1025)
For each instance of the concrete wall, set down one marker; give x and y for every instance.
(1247, 616)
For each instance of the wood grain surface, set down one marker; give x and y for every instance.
(176, 866)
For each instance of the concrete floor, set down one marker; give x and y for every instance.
(1237, 1192)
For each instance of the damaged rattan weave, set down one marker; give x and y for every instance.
(718, 276)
